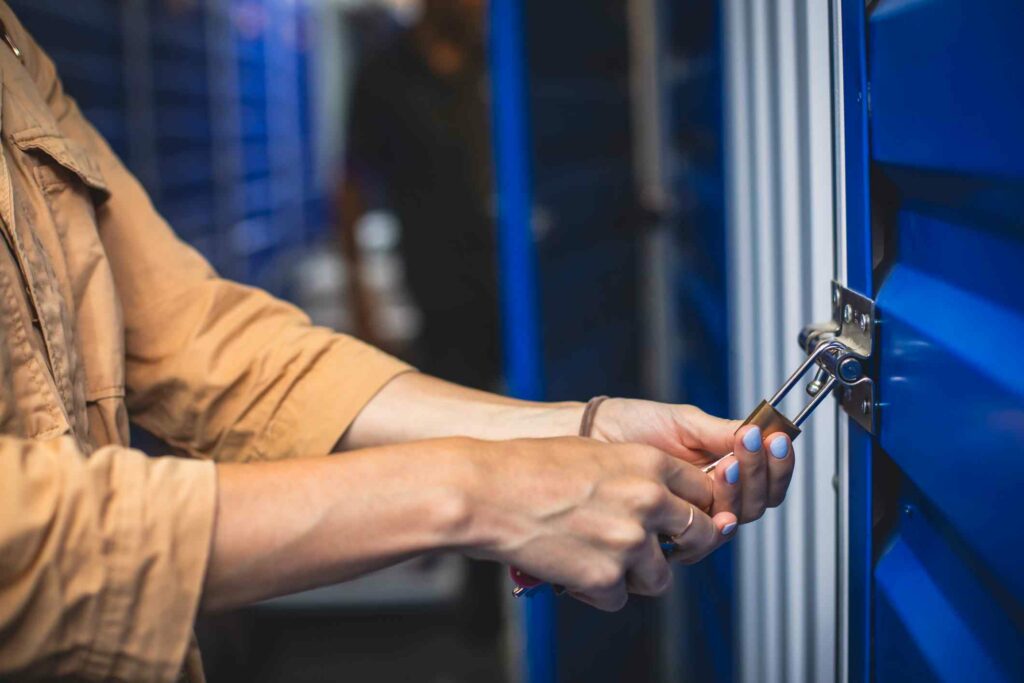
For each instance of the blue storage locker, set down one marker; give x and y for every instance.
(211, 76)
(934, 142)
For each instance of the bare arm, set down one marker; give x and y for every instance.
(416, 406)
(575, 511)
(287, 526)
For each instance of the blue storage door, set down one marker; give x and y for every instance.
(944, 588)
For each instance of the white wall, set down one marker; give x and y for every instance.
(780, 242)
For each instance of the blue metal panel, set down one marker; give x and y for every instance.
(935, 617)
(947, 186)
(961, 63)
(520, 314)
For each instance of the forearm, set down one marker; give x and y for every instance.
(415, 406)
(287, 526)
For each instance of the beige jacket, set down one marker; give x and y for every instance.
(105, 316)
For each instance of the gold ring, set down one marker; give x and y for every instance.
(675, 538)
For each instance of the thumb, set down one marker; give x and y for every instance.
(713, 434)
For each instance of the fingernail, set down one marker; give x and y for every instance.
(779, 447)
(752, 440)
(728, 528)
(732, 473)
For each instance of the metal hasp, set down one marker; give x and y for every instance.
(850, 336)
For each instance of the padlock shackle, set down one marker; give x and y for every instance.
(811, 361)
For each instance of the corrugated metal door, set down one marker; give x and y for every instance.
(933, 108)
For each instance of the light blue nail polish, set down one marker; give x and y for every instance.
(728, 528)
(732, 473)
(779, 447)
(752, 440)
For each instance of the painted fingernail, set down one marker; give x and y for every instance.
(779, 447)
(728, 528)
(752, 440)
(732, 473)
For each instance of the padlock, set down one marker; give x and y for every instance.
(828, 357)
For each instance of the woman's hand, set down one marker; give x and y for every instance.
(586, 515)
(763, 463)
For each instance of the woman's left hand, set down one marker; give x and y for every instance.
(754, 478)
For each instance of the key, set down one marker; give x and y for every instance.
(835, 365)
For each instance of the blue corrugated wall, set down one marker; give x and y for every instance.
(208, 103)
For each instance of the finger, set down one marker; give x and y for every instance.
(673, 517)
(689, 483)
(781, 461)
(703, 536)
(726, 486)
(712, 434)
(753, 473)
(650, 574)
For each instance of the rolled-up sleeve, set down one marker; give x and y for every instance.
(215, 368)
(102, 560)
(243, 376)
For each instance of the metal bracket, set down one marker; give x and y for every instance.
(853, 327)
(855, 314)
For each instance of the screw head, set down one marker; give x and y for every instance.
(848, 313)
(850, 370)
(865, 406)
(862, 322)
(835, 297)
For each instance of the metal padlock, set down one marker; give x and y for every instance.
(828, 357)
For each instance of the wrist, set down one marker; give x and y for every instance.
(606, 423)
(548, 420)
(461, 472)
(475, 522)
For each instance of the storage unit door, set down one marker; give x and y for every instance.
(934, 179)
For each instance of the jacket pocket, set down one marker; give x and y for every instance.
(66, 153)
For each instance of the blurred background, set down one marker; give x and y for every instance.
(342, 155)
(629, 197)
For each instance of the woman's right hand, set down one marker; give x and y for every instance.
(586, 515)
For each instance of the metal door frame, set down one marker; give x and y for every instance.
(853, 268)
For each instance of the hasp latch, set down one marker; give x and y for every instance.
(841, 349)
